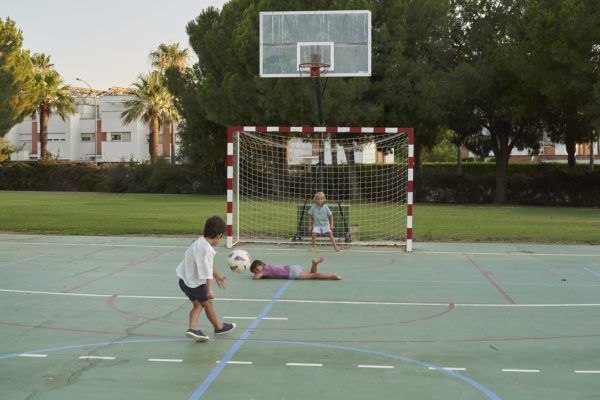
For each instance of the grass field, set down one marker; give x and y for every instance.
(153, 214)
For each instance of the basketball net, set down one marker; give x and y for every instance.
(313, 68)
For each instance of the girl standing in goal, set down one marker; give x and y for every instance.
(320, 220)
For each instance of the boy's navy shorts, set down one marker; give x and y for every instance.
(198, 293)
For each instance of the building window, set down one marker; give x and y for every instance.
(56, 137)
(120, 136)
(88, 137)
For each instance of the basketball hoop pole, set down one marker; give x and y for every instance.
(319, 93)
(315, 67)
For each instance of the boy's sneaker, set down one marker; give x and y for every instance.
(197, 335)
(227, 327)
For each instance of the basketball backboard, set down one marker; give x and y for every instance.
(341, 39)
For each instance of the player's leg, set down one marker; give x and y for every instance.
(332, 239)
(196, 295)
(211, 314)
(195, 314)
(304, 275)
(315, 262)
(313, 242)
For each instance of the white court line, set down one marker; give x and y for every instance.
(303, 365)
(33, 355)
(97, 245)
(375, 366)
(169, 360)
(512, 253)
(362, 303)
(237, 362)
(520, 370)
(95, 358)
(264, 318)
(586, 372)
(448, 368)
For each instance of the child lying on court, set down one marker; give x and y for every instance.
(263, 270)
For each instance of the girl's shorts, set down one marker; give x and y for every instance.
(321, 229)
(295, 271)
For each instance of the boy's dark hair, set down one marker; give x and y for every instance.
(255, 264)
(214, 227)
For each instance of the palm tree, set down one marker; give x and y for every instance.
(53, 97)
(169, 55)
(165, 57)
(150, 102)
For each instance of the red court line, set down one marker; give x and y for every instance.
(487, 274)
(55, 328)
(337, 340)
(112, 299)
(130, 265)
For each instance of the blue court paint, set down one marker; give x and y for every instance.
(18, 261)
(591, 271)
(223, 362)
(199, 392)
(473, 383)
(217, 370)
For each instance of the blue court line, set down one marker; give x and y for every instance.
(472, 382)
(591, 271)
(217, 370)
(464, 378)
(18, 261)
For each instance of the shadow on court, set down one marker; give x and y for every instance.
(103, 317)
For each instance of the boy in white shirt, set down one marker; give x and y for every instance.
(196, 272)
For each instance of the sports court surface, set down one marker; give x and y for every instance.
(103, 318)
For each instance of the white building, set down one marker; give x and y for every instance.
(301, 151)
(75, 139)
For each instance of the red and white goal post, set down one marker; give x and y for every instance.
(274, 172)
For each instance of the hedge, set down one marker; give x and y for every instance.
(161, 177)
(528, 184)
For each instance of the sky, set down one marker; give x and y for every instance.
(106, 42)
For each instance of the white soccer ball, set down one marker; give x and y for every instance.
(239, 261)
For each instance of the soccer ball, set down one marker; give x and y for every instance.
(239, 261)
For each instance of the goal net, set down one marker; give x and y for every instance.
(273, 174)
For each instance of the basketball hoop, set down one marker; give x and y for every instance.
(315, 69)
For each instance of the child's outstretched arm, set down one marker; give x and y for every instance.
(221, 282)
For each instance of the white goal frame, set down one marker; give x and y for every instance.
(234, 163)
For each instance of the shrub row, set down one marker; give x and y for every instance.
(161, 177)
(528, 184)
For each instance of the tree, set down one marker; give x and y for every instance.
(151, 102)
(6, 149)
(169, 58)
(225, 88)
(410, 65)
(230, 89)
(53, 97)
(564, 47)
(17, 95)
(491, 53)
